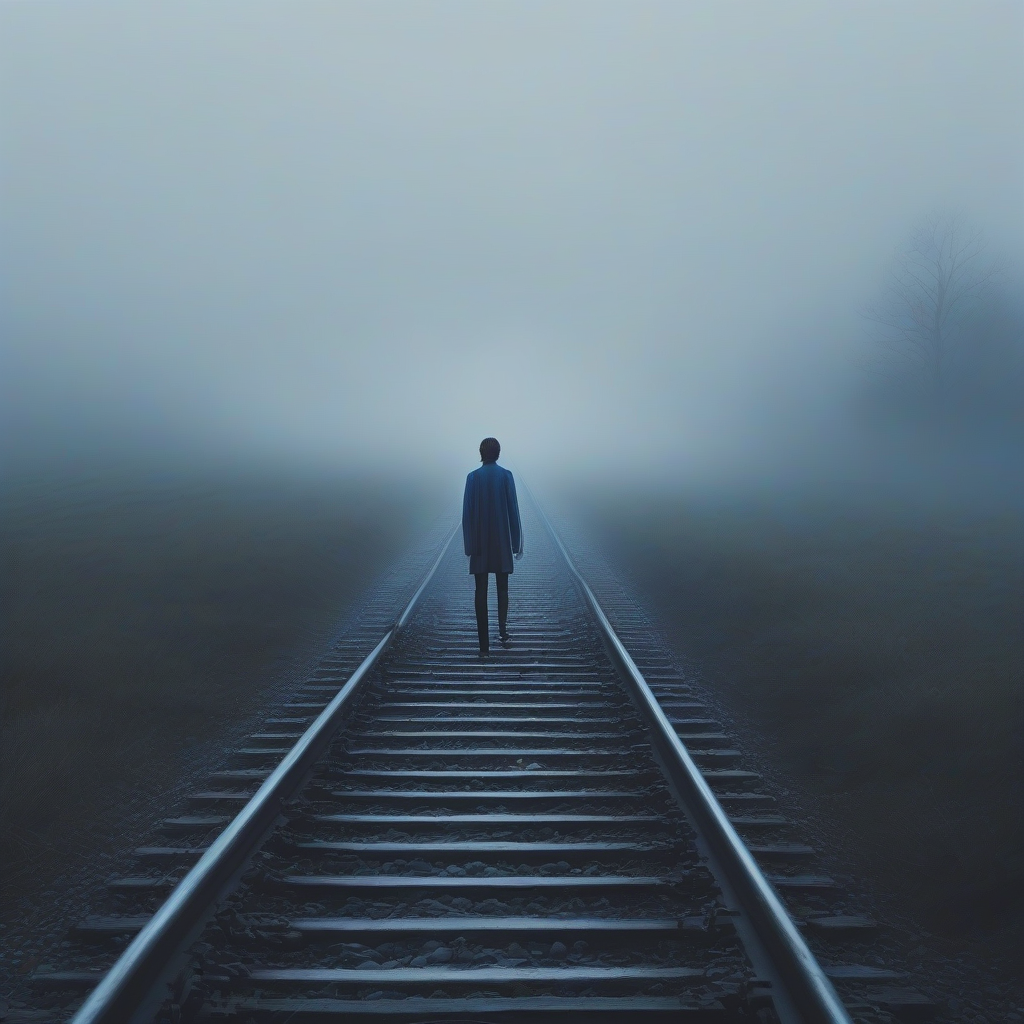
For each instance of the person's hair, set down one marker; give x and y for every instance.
(489, 449)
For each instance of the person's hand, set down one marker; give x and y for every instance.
(518, 555)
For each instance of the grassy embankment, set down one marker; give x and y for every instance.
(880, 653)
(138, 618)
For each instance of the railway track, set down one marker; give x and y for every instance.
(419, 834)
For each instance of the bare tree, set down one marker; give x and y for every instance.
(935, 284)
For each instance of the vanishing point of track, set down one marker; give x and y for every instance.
(425, 835)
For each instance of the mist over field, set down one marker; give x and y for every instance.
(739, 286)
(621, 238)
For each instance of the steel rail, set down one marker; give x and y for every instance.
(127, 983)
(809, 988)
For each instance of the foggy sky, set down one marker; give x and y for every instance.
(620, 237)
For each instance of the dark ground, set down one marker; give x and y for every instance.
(880, 654)
(877, 653)
(141, 616)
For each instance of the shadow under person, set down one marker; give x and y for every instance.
(492, 534)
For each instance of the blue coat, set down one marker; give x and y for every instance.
(491, 529)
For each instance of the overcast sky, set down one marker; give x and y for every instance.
(612, 234)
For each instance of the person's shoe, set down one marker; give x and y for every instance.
(505, 638)
(484, 653)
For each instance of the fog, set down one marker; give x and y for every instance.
(627, 239)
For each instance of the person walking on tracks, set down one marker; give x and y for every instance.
(493, 535)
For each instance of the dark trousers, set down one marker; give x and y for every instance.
(480, 603)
